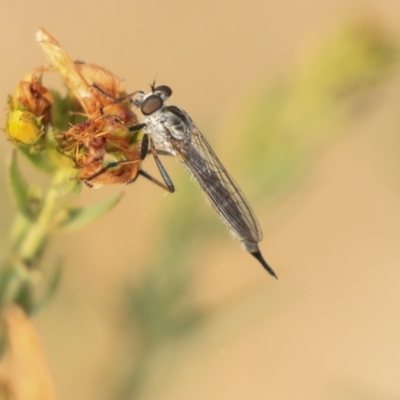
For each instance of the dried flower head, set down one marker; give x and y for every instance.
(32, 96)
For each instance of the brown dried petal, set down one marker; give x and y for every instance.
(102, 78)
(79, 77)
(32, 96)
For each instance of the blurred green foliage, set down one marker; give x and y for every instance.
(288, 121)
(274, 144)
(40, 212)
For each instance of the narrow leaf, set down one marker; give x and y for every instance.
(77, 218)
(18, 187)
(40, 160)
(51, 289)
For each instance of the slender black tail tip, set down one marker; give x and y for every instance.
(257, 254)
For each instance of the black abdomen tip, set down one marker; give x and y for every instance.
(257, 254)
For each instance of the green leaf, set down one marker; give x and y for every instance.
(18, 187)
(51, 289)
(39, 159)
(7, 276)
(25, 296)
(76, 218)
(66, 183)
(66, 111)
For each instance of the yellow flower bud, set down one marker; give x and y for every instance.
(23, 127)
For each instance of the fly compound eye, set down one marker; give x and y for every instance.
(151, 104)
(163, 90)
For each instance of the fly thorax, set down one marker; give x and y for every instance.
(177, 122)
(155, 127)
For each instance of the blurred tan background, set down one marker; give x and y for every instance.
(330, 327)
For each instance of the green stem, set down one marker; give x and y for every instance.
(19, 272)
(35, 239)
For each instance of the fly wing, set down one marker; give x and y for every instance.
(219, 187)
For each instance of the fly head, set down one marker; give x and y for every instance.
(155, 100)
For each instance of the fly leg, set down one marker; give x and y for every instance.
(122, 99)
(143, 152)
(161, 168)
(168, 186)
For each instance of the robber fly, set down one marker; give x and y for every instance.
(171, 131)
